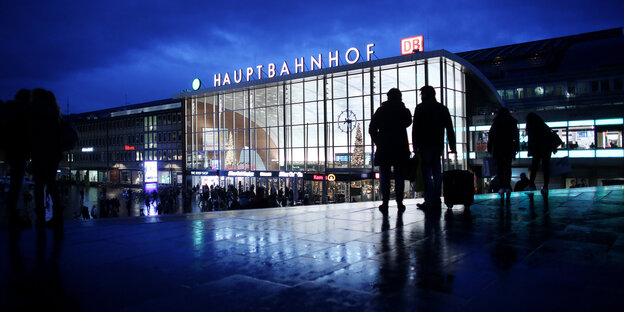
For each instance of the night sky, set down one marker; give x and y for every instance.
(101, 54)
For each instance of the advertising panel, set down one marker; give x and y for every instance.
(151, 171)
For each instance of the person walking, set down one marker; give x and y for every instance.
(388, 131)
(430, 120)
(542, 142)
(503, 144)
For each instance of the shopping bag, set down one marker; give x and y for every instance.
(489, 167)
(415, 173)
(560, 166)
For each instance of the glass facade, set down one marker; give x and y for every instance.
(314, 124)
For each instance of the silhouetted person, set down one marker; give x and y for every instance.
(45, 119)
(14, 142)
(430, 120)
(523, 184)
(388, 131)
(503, 144)
(540, 148)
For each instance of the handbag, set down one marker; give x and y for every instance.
(560, 166)
(414, 173)
(555, 141)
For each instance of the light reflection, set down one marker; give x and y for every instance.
(198, 235)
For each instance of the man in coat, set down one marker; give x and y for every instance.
(430, 120)
(388, 131)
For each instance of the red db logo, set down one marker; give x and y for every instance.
(411, 45)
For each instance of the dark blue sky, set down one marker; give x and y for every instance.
(102, 54)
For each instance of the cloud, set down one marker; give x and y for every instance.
(99, 53)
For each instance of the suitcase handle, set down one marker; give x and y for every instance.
(453, 165)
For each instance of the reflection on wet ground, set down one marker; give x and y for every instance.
(562, 253)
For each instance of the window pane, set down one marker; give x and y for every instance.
(407, 78)
(355, 85)
(311, 112)
(339, 86)
(297, 93)
(310, 91)
(355, 106)
(388, 80)
(433, 69)
(420, 78)
(259, 97)
(449, 75)
(409, 98)
(297, 114)
(297, 134)
(459, 85)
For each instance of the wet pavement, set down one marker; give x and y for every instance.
(563, 253)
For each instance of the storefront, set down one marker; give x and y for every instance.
(315, 122)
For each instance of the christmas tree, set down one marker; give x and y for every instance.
(358, 152)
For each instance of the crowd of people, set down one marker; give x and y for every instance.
(215, 197)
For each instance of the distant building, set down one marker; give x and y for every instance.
(114, 144)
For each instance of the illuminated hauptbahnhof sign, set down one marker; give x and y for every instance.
(352, 56)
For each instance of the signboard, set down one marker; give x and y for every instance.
(318, 177)
(331, 177)
(240, 173)
(151, 171)
(411, 45)
(351, 56)
(87, 149)
(129, 148)
(284, 174)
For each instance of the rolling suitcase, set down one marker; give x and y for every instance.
(458, 188)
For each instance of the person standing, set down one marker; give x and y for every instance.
(15, 136)
(45, 122)
(388, 131)
(503, 144)
(542, 142)
(430, 120)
